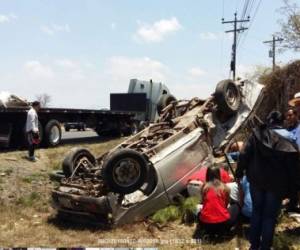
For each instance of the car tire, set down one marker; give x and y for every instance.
(164, 101)
(228, 97)
(56, 176)
(125, 171)
(72, 158)
(67, 129)
(52, 133)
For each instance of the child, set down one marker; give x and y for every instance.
(215, 216)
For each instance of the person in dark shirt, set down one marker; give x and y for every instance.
(271, 163)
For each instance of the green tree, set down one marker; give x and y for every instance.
(290, 25)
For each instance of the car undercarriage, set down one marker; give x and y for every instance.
(147, 171)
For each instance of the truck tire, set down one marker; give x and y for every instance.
(164, 101)
(108, 132)
(125, 171)
(73, 157)
(130, 130)
(52, 133)
(227, 97)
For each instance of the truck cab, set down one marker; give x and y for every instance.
(145, 98)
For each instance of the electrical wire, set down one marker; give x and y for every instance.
(246, 13)
(251, 22)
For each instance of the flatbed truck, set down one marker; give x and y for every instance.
(141, 103)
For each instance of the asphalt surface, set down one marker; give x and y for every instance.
(77, 137)
(73, 134)
(73, 137)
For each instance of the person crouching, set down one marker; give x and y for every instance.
(216, 215)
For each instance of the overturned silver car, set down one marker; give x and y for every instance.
(148, 170)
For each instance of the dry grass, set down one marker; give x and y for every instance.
(280, 87)
(27, 218)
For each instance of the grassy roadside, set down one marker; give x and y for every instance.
(27, 218)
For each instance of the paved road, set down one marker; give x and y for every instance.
(81, 137)
(74, 137)
(78, 134)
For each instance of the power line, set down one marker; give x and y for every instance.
(248, 11)
(250, 24)
(244, 12)
(245, 9)
(223, 8)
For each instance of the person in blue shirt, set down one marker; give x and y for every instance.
(233, 156)
(293, 126)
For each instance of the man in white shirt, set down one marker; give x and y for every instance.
(32, 129)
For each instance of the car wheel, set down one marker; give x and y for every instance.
(125, 171)
(52, 133)
(67, 129)
(227, 97)
(77, 158)
(164, 101)
(56, 176)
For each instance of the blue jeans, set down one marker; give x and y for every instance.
(266, 206)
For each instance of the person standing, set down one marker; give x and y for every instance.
(295, 102)
(271, 163)
(292, 124)
(32, 129)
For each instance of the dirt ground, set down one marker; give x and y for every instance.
(27, 218)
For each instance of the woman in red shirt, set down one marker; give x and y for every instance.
(217, 215)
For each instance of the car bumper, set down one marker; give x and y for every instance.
(82, 208)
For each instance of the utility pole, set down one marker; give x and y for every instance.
(273, 50)
(235, 31)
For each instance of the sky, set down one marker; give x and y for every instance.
(79, 51)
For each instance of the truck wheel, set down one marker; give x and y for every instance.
(228, 97)
(130, 130)
(77, 157)
(125, 171)
(164, 101)
(52, 133)
(111, 132)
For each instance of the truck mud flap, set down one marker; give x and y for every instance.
(5, 134)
